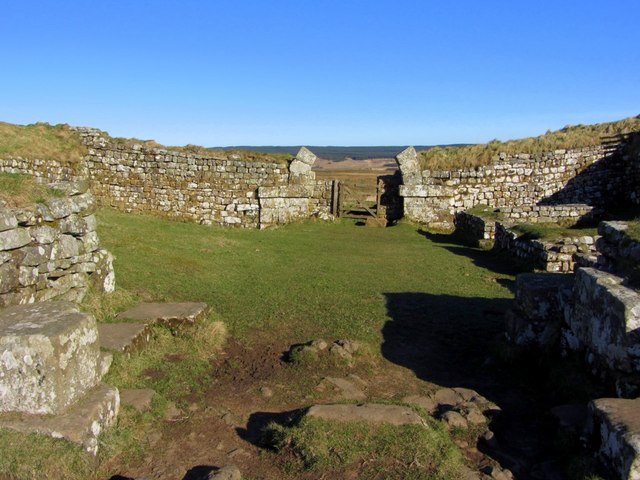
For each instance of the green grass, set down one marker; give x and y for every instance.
(550, 231)
(304, 281)
(293, 284)
(569, 137)
(41, 141)
(405, 452)
(20, 190)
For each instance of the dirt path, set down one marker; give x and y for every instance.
(253, 385)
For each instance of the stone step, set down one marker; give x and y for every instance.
(170, 314)
(123, 337)
(50, 357)
(80, 424)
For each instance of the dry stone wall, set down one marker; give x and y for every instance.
(549, 256)
(594, 313)
(198, 188)
(51, 250)
(589, 176)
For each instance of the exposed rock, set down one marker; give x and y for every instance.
(348, 390)
(266, 392)
(454, 419)
(138, 398)
(368, 412)
(428, 403)
(230, 472)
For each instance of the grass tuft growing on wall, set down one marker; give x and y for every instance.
(21, 190)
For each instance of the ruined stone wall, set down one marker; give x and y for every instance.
(618, 252)
(589, 175)
(202, 189)
(51, 250)
(549, 256)
(176, 184)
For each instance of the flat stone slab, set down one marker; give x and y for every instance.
(166, 313)
(348, 389)
(123, 337)
(82, 423)
(617, 421)
(369, 412)
(49, 357)
(138, 398)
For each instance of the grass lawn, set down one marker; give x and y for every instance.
(274, 287)
(303, 281)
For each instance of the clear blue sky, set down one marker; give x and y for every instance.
(321, 72)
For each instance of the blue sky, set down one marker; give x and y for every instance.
(343, 72)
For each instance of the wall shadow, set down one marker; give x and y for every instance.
(444, 339)
(451, 341)
(491, 260)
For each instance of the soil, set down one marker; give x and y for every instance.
(253, 385)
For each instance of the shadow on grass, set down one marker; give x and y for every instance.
(487, 259)
(258, 421)
(444, 339)
(452, 341)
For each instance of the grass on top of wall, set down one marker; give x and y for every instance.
(243, 155)
(41, 141)
(551, 231)
(21, 190)
(569, 137)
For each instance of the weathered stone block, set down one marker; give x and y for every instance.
(537, 316)
(82, 423)
(604, 321)
(8, 220)
(10, 239)
(616, 424)
(49, 357)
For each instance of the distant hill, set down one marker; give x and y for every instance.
(335, 153)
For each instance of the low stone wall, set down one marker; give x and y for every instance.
(618, 252)
(565, 214)
(473, 229)
(51, 250)
(603, 325)
(558, 256)
(589, 176)
(592, 313)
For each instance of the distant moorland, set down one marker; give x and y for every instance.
(337, 154)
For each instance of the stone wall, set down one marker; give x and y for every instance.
(473, 229)
(549, 256)
(589, 176)
(51, 250)
(618, 252)
(187, 186)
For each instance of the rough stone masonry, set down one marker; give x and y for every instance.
(50, 250)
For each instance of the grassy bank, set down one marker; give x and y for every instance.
(41, 141)
(569, 137)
